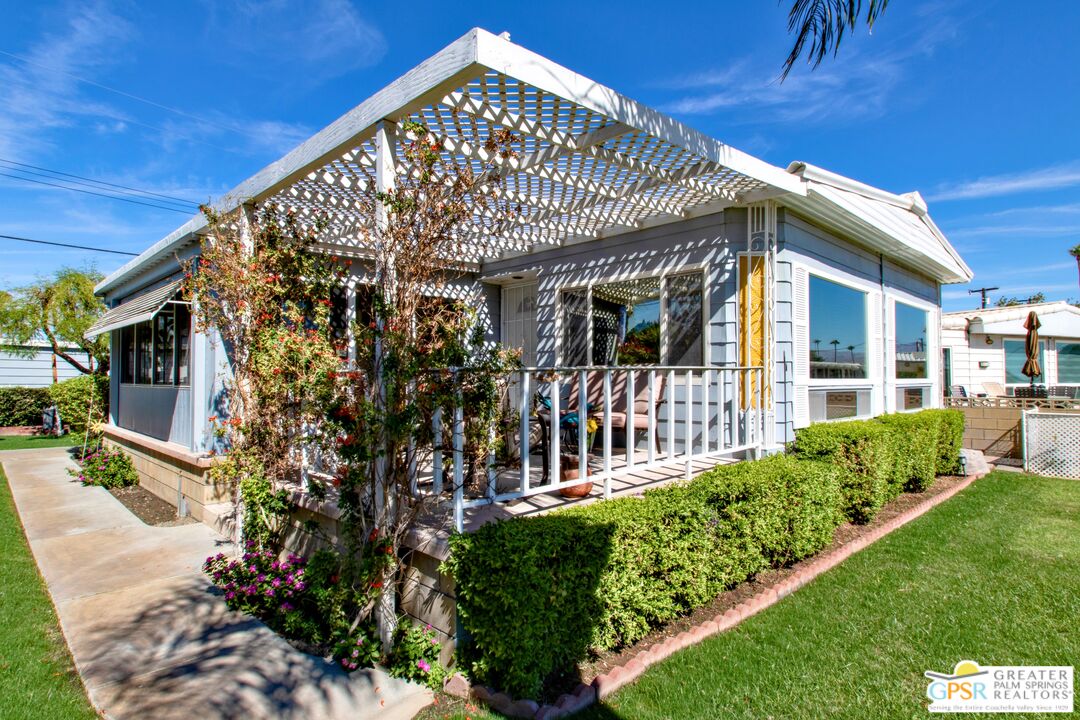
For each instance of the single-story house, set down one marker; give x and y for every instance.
(983, 350)
(751, 299)
(35, 364)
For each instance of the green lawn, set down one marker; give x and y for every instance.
(28, 442)
(991, 576)
(37, 677)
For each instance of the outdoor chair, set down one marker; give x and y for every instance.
(958, 391)
(1031, 391)
(620, 410)
(994, 389)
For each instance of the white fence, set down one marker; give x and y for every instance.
(1051, 440)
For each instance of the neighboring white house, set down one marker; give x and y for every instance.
(987, 346)
(773, 297)
(39, 369)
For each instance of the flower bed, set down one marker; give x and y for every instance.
(305, 601)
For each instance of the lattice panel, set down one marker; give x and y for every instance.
(1052, 443)
(576, 174)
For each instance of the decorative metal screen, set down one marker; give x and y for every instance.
(1052, 443)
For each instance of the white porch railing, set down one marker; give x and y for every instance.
(685, 413)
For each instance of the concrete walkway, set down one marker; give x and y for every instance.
(150, 637)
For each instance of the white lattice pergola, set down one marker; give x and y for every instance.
(589, 161)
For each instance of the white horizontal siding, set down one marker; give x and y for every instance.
(36, 370)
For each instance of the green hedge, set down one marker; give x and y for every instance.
(887, 455)
(950, 439)
(73, 398)
(865, 453)
(915, 445)
(22, 405)
(537, 594)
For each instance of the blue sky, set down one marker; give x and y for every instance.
(974, 103)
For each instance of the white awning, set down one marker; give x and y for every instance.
(134, 311)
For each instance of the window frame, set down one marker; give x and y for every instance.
(1043, 352)
(866, 288)
(1057, 361)
(930, 345)
(137, 330)
(663, 275)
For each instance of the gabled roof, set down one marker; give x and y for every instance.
(897, 225)
(589, 163)
(1056, 319)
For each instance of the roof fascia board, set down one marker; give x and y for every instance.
(814, 173)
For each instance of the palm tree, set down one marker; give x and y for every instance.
(835, 344)
(1075, 252)
(823, 23)
(851, 349)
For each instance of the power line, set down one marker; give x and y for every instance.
(91, 192)
(122, 93)
(98, 182)
(118, 194)
(68, 245)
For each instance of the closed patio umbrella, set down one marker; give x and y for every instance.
(1031, 347)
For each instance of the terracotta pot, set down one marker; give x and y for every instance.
(568, 470)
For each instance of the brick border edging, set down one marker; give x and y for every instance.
(607, 683)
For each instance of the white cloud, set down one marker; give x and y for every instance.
(40, 94)
(1017, 230)
(1053, 177)
(316, 39)
(853, 85)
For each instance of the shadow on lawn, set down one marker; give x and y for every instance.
(189, 656)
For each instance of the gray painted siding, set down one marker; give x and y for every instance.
(800, 241)
(711, 241)
(37, 369)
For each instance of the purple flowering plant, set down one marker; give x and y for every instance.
(303, 600)
(416, 655)
(107, 468)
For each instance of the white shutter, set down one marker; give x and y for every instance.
(800, 313)
(890, 355)
(874, 362)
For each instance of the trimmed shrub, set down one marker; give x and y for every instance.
(536, 594)
(950, 439)
(866, 454)
(22, 405)
(73, 398)
(914, 439)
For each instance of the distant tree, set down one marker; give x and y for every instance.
(851, 349)
(835, 344)
(1075, 252)
(1004, 301)
(59, 309)
(822, 23)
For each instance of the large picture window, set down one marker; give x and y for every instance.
(837, 330)
(1068, 362)
(645, 321)
(158, 351)
(1016, 356)
(910, 342)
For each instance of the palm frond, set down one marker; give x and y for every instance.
(822, 24)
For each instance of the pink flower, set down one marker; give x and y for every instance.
(422, 664)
